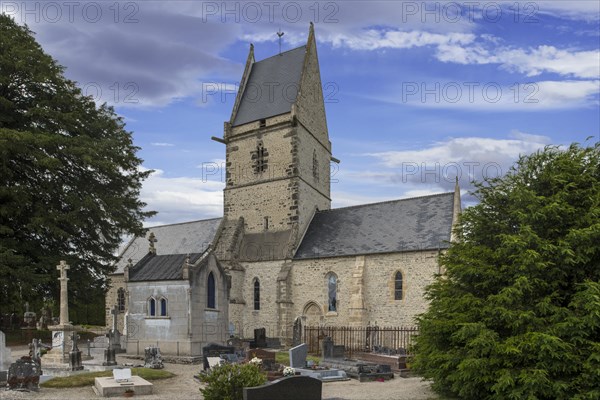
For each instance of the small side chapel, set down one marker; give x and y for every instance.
(280, 255)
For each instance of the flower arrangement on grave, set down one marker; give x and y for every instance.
(289, 371)
(256, 361)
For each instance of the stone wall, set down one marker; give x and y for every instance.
(267, 317)
(418, 269)
(153, 329)
(209, 325)
(254, 203)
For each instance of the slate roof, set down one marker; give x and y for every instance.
(161, 268)
(183, 238)
(394, 226)
(282, 71)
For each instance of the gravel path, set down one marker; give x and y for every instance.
(183, 387)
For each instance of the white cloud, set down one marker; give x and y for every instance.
(435, 168)
(531, 62)
(584, 10)
(162, 144)
(179, 199)
(377, 39)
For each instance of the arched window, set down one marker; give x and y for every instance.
(332, 291)
(256, 294)
(152, 307)
(163, 307)
(210, 289)
(121, 299)
(398, 286)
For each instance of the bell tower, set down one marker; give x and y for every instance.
(277, 154)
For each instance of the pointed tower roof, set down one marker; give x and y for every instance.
(272, 87)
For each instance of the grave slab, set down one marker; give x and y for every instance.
(108, 387)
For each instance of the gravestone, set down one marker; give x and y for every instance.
(290, 388)
(24, 374)
(109, 357)
(327, 347)
(75, 354)
(215, 350)
(44, 319)
(260, 338)
(35, 350)
(297, 332)
(28, 317)
(339, 351)
(369, 372)
(298, 356)
(260, 353)
(152, 358)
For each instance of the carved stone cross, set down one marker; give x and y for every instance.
(63, 267)
(152, 239)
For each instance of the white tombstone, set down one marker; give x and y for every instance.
(122, 374)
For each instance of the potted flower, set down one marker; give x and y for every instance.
(289, 371)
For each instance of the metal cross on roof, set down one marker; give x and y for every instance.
(280, 34)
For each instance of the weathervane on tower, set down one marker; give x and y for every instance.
(280, 34)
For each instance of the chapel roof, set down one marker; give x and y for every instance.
(272, 86)
(418, 223)
(166, 267)
(181, 238)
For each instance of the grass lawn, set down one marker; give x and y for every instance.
(283, 357)
(87, 378)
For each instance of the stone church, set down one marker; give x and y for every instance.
(279, 255)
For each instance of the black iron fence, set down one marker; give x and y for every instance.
(361, 338)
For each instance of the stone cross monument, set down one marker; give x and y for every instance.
(64, 296)
(61, 337)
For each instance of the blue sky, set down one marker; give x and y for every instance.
(416, 92)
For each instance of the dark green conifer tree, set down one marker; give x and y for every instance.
(517, 314)
(69, 178)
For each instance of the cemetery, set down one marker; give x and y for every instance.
(103, 368)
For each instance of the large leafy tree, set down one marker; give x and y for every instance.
(517, 314)
(69, 177)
